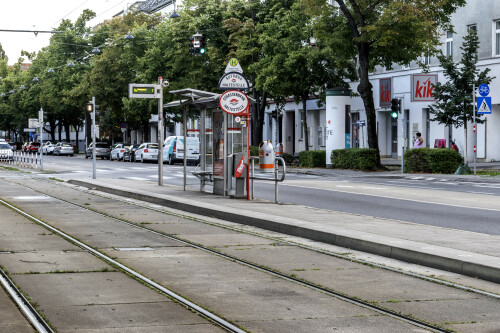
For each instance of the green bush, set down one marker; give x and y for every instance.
(426, 160)
(355, 158)
(288, 158)
(312, 159)
(254, 151)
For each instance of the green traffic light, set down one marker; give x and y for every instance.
(202, 51)
(394, 115)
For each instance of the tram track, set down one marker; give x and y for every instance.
(29, 312)
(353, 300)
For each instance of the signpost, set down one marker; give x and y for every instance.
(235, 102)
(136, 90)
(483, 105)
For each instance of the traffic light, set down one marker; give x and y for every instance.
(395, 108)
(203, 45)
(90, 107)
(197, 44)
(192, 49)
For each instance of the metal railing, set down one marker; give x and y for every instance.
(276, 179)
(22, 159)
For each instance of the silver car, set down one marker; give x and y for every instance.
(102, 150)
(63, 148)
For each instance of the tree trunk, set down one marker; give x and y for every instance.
(306, 131)
(67, 130)
(77, 127)
(366, 92)
(258, 112)
(59, 129)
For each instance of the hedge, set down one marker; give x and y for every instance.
(427, 160)
(355, 158)
(312, 159)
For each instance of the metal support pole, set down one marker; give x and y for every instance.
(225, 154)
(184, 129)
(474, 124)
(203, 147)
(276, 167)
(40, 120)
(160, 132)
(94, 172)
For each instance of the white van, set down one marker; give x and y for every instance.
(173, 149)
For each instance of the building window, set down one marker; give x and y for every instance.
(497, 38)
(472, 27)
(449, 44)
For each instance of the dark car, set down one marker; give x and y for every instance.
(129, 154)
(102, 150)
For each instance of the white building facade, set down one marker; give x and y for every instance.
(413, 86)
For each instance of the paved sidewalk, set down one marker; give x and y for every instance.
(468, 253)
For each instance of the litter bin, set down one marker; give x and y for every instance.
(266, 157)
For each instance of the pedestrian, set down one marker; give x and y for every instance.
(454, 146)
(418, 142)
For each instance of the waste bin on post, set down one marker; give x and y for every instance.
(279, 150)
(266, 157)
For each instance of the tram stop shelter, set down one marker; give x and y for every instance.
(223, 139)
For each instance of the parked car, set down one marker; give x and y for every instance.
(63, 148)
(102, 150)
(6, 153)
(117, 152)
(129, 154)
(47, 148)
(173, 149)
(147, 151)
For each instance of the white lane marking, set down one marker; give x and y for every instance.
(430, 178)
(394, 198)
(32, 197)
(372, 188)
(136, 178)
(417, 178)
(344, 186)
(481, 193)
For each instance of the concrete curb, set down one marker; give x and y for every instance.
(434, 256)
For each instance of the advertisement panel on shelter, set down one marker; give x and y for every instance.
(385, 92)
(421, 87)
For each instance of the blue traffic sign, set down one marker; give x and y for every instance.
(483, 90)
(484, 105)
(360, 123)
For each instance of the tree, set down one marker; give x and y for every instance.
(382, 32)
(454, 101)
(294, 63)
(3, 55)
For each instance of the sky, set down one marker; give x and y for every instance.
(45, 15)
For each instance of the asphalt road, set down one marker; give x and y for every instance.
(390, 198)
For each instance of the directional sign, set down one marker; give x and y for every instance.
(136, 90)
(360, 123)
(484, 105)
(484, 90)
(30, 130)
